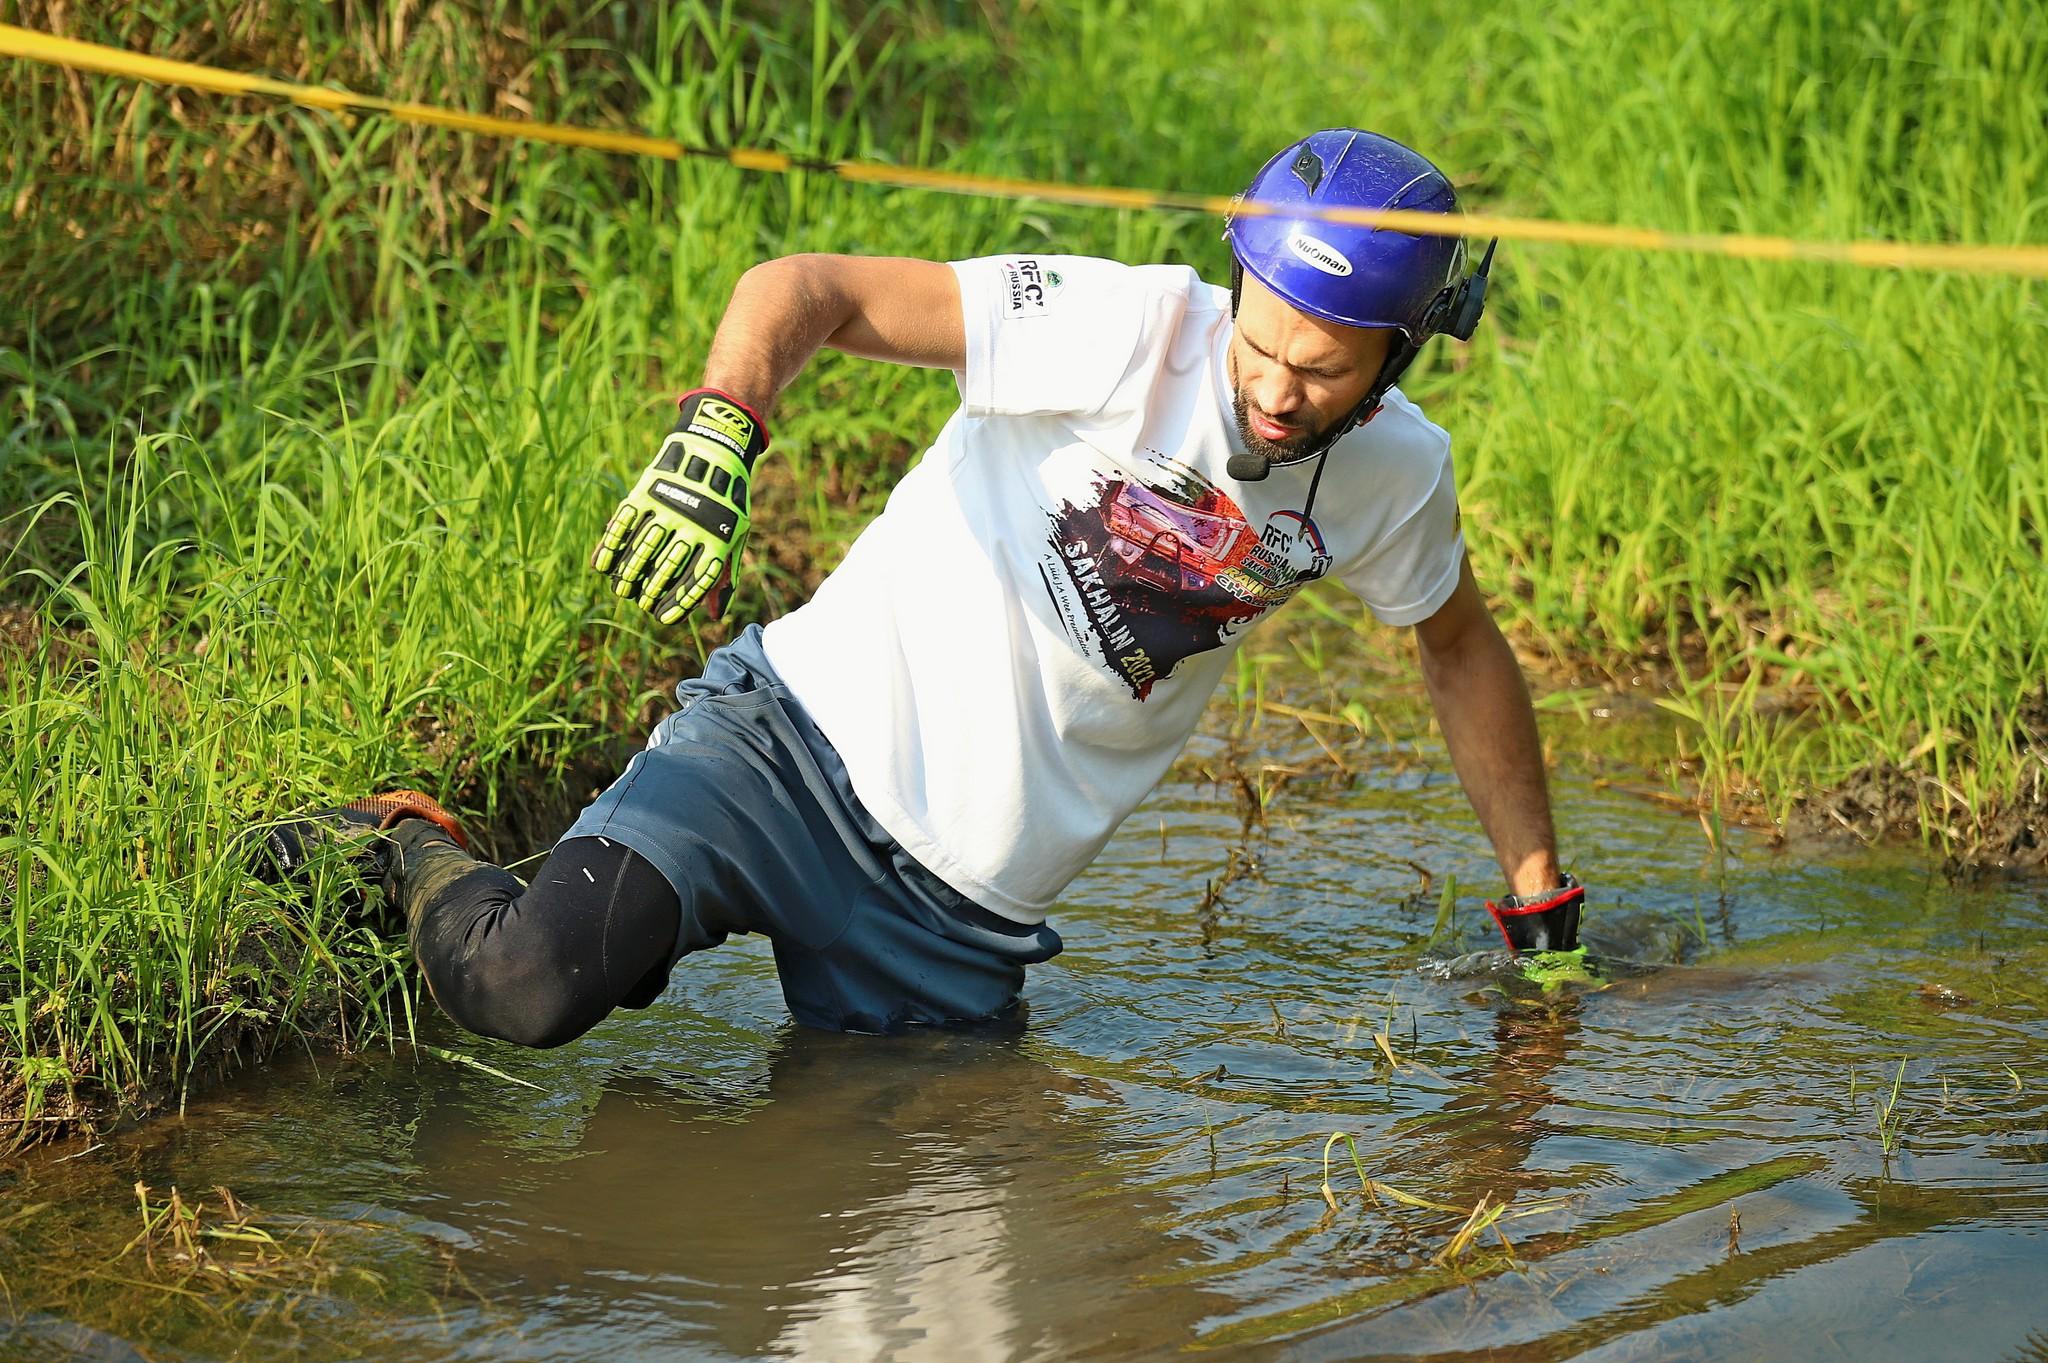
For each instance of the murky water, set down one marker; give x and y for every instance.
(1698, 1161)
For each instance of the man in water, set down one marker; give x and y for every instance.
(896, 781)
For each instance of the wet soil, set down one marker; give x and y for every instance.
(1882, 803)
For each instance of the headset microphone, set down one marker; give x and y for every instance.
(1248, 466)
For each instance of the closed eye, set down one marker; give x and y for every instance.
(1321, 373)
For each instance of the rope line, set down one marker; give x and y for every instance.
(2026, 261)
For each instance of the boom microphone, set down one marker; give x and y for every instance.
(1248, 466)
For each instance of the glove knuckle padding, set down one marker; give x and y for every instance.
(649, 543)
(614, 538)
(675, 610)
(674, 560)
(644, 546)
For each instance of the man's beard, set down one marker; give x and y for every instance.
(1295, 447)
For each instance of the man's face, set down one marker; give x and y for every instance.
(1293, 376)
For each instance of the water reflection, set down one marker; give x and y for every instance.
(923, 1198)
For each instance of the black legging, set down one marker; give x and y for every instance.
(536, 964)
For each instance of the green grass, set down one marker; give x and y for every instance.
(307, 424)
(1891, 1123)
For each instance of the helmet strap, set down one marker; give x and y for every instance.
(1396, 364)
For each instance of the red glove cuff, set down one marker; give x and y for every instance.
(1516, 906)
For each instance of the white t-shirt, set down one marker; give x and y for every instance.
(1015, 650)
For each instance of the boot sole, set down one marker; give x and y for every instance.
(393, 805)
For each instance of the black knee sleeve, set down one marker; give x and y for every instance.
(539, 964)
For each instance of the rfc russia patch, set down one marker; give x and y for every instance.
(1028, 286)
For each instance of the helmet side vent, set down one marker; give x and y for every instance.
(1308, 168)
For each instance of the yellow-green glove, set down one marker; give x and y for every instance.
(676, 538)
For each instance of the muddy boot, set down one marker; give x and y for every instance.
(360, 836)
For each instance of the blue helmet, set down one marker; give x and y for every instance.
(1358, 276)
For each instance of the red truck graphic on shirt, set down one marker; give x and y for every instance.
(1175, 547)
(1146, 573)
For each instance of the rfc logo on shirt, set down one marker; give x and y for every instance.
(1289, 553)
(1028, 287)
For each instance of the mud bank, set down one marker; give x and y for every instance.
(1884, 803)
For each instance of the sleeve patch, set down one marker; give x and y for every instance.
(1028, 287)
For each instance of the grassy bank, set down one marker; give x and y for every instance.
(308, 423)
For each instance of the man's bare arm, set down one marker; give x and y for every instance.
(1482, 704)
(878, 307)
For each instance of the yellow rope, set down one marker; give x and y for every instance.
(2030, 261)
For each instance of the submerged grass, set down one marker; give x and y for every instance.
(1483, 1216)
(308, 420)
(208, 1266)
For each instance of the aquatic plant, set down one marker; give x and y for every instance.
(1891, 1121)
(1484, 1215)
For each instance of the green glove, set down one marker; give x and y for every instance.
(676, 538)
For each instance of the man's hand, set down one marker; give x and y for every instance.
(1482, 704)
(676, 538)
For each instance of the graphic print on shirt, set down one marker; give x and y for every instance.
(1146, 573)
